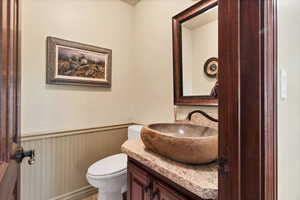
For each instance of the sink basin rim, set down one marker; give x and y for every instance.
(189, 150)
(181, 137)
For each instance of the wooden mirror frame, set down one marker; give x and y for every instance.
(179, 98)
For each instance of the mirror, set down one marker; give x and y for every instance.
(200, 53)
(195, 38)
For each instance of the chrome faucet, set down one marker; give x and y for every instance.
(189, 117)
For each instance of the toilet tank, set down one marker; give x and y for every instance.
(134, 131)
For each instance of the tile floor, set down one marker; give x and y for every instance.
(94, 197)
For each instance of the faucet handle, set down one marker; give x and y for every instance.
(189, 117)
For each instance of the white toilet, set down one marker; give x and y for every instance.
(109, 175)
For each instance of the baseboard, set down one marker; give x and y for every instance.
(77, 194)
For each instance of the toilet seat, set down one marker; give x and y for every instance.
(110, 166)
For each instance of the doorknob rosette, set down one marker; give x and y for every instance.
(21, 154)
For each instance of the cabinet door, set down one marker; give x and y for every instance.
(163, 192)
(139, 183)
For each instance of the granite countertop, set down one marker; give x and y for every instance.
(200, 180)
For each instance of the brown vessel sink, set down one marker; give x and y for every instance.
(182, 142)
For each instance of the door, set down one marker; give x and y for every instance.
(139, 183)
(9, 132)
(247, 99)
(162, 192)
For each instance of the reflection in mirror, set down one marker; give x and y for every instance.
(200, 54)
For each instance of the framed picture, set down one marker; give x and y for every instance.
(72, 63)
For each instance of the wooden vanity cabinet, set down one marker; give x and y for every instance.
(145, 184)
(139, 183)
(163, 192)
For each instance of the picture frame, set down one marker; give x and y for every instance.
(211, 67)
(73, 63)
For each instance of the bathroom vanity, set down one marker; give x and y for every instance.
(154, 177)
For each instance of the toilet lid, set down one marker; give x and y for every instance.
(109, 165)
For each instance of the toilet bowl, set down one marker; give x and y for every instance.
(109, 175)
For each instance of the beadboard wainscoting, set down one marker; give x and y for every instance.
(62, 160)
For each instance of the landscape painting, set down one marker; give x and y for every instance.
(78, 64)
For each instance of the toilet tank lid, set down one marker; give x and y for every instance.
(109, 165)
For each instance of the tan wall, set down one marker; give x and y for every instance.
(154, 65)
(62, 159)
(55, 107)
(289, 110)
(142, 53)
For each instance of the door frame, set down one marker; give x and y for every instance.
(248, 99)
(248, 96)
(9, 99)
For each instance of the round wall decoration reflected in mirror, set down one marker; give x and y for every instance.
(211, 67)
